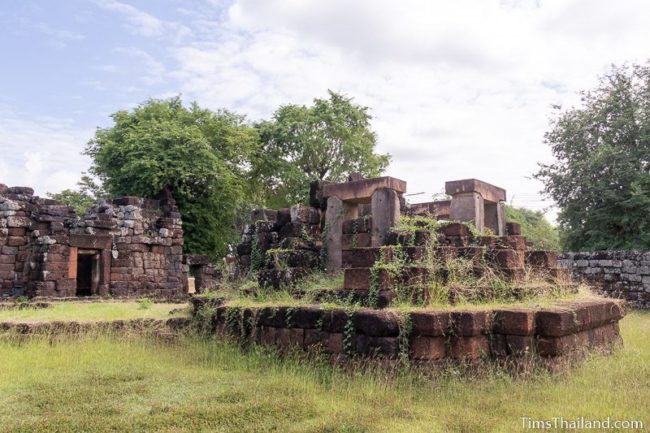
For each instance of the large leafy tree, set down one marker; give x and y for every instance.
(601, 176)
(326, 141)
(201, 156)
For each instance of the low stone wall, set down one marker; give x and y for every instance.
(551, 335)
(618, 274)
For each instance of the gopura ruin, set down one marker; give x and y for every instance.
(125, 247)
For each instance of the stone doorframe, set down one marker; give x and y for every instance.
(100, 245)
(343, 200)
(478, 202)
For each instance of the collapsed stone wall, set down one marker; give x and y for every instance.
(281, 245)
(551, 334)
(619, 274)
(127, 246)
(205, 273)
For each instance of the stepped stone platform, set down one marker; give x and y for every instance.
(553, 335)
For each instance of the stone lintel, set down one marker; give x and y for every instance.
(93, 242)
(360, 191)
(489, 192)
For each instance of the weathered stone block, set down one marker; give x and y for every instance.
(469, 348)
(307, 317)
(513, 229)
(315, 337)
(468, 323)
(514, 322)
(427, 348)
(541, 259)
(360, 240)
(334, 321)
(357, 225)
(359, 279)
(376, 346)
(376, 323)
(430, 323)
(335, 343)
(455, 229)
(267, 335)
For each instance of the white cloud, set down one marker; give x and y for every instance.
(151, 70)
(143, 23)
(43, 153)
(458, 89)
(138, 21)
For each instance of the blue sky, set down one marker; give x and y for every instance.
(457, 89)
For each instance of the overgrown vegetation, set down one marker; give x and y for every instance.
(534, 225)
(135, 384)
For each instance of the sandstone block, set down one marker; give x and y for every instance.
(514, 322)
(427, 348)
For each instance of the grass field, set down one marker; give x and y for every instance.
(84, 312)
(104, 384)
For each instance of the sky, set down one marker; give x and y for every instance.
(457, 89)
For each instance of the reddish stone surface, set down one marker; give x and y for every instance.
(455, 229)
(335, 343)
(360, 257)
(376, 346)
(376, 323)
(359, 279)
(468, 323)
(469, 348)
(431, 323)
(488, 192)
(514, 321)
(427, 348)
(541, 259)
(360, 240)
(507, 258)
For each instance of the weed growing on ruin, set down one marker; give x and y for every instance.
(348, 334)
(256, 255)
(404, 336)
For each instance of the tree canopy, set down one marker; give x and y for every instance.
(327, 141)
(198, 154)
(82, 198)
(600, 178)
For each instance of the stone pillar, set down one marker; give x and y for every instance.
(467, 207)
(337, 212)
(385, 209)
(501, 218)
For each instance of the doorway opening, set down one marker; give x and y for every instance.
(87, 272)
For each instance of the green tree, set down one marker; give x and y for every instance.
(201, 156)
(327, 141)
(535, 227)
(600, 178)
(82, 198)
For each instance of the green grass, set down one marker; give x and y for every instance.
(103, 384)
(95, 311)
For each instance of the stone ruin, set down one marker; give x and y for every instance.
(124, 247)
(349, 226)
(354, 226)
